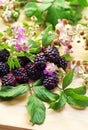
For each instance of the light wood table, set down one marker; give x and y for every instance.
(14, 116)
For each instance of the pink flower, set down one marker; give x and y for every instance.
(50, 69)
(21, 30)
(60, 22)
(18, 47)
(21, 37)
(0, 1)
(25, 47)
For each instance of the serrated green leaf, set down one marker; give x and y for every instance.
(12, 92)
(68, 57)
(60, 103)
(68, 79)
(76, 100)
(79, 90)
(45, 95)
(36, 109)
(30, 9)
(48, 36)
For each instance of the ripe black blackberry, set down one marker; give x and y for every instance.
(21, 75)
(4, 69)
(62, 63)
(51, 54)
(50, 82)
(9, 80)
(33, 72)
(23, 60)
(40, 61)
(4, 54)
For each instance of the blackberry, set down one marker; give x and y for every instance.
(23, 60)
(4, 69)
(21, 75)
(33, 72)
(40, 61)
(50, 82)
(62, 63)
(51, 54)
(9, 80)
(4, 54)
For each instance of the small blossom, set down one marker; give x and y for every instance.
(0, 1)
(18, 47)
(21, 37)
(50, 69)
(25, 47)
(21, 30)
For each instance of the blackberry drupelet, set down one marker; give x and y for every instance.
(33, 72)
(50, 82)
(51, 54)
(4, 54)
(40, 61)
(23, 60)
(62, 63)
(9, 80)
(4, 69)
(21, 75)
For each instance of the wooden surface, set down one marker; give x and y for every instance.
(14, 116)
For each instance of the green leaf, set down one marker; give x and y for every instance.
(12, 92)
(48, 36)
(76, 100)
(59, 104)
(43, 6)
(68, 79)
(48, 1)
(34, 47)
(36, 109)
(79, 90)
(37, 82)
(45, 95)
(83, 3)
(1, 34)
(30, 56)
(16, 63)
(11, 63)
(68, 57)
(30, 9)
(15, 14)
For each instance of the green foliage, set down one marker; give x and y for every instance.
(68, 57)
(76, 100)
(48, 36)
(36, 109)
(59, 104)
(52, 10)
(45, 95)
(68, 79)
(12, 92)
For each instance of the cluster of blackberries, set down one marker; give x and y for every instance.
(29, 70)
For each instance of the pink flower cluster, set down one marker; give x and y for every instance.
(64, 38)
(20, 39)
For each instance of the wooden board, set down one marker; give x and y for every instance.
(14, 116)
